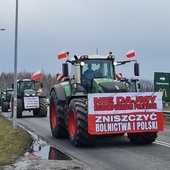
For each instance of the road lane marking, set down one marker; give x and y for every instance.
(162, 143)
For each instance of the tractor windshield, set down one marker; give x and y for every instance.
(9, 94)
(98, 68)
(23, 85)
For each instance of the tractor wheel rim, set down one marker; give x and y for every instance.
(53, 114)
(72, 123)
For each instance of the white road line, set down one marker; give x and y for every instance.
(162, 143)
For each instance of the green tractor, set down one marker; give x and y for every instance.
(132, 84)
(6, 96)
(83, 105)
(30, 98)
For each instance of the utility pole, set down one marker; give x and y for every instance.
(15, 71)
(1, 29)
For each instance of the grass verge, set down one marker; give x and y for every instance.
(12, 143)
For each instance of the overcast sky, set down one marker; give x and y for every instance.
(46, 27)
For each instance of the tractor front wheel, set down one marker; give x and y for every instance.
(78, 123)
(43, 107)
(19, 108)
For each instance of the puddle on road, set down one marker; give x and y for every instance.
(41, 150)
(38, 150)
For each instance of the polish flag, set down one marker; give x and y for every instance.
(130, 54)
(119, 76)
(62, 55)
(60, 77)
(36, 75)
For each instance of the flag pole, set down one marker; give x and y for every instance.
(67, 55)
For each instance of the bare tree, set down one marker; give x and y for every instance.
(146, 85)
(7, 79)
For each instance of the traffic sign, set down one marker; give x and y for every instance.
(162, 84)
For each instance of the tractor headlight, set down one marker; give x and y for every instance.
(75, 85)
(40, 90)
(82, 63)
(27, 94)
(115, 63)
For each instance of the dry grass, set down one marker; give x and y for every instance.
(12, 144)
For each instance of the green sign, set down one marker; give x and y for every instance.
(162, 84)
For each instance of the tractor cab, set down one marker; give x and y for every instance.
(27, 87)
(96, 73)
(92, 70)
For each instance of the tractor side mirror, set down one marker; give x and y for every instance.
(12, 85)
(136, 69)
(139, 86)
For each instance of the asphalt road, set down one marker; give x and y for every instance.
(109, 153)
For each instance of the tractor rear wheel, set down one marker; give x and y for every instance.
(57, 117)
(142, 138)
(78, 123)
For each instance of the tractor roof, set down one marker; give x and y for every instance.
(93, 57)
(26, 80)
(10, 89)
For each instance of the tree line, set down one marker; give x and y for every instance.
(7, 79)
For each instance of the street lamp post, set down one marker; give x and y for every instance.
(15, 71)
(1, 29)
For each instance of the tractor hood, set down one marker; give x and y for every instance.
(105, 85)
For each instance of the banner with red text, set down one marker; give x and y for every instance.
(125, 112)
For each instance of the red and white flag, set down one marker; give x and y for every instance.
(119, 76)
(130, 54)
(36, 75)
(62, 55)
(60, 77)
